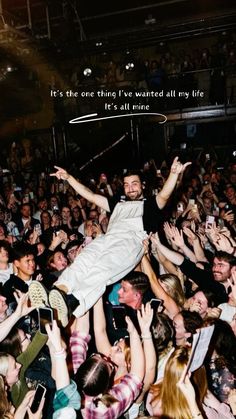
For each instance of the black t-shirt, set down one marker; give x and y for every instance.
(152, 216)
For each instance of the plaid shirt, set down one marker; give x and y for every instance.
(66, 397)
(125, 392)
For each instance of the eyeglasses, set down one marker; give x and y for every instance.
(107, 359)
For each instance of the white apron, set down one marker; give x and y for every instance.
(108, 258)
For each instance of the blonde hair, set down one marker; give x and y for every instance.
(4, 363)
(173, 288)
(5, 405)
(174, 404)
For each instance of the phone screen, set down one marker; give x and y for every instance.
(39, 394)
(155, 303)
(119, 314)
(210, 219)
(45, 316)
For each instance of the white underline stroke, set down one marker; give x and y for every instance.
(87, 118)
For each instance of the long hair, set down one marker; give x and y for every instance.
(4, 363)
(94, 377)
(5, 405)
(174, 403)
(173, 288)
(224, 343)
(12, 343)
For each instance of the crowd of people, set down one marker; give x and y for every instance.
(129, 268)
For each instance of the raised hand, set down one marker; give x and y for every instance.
(22, 308)
(145, 316)
(177, 167)
(60, 173)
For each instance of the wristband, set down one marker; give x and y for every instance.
(60, 354)
(146, 336)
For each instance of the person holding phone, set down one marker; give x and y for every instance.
(94, 375)
(119, 353)
(67, 398)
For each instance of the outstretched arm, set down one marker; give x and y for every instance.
(99, 200)
(169, 304)
(171, 255)
(99, 323)
(165, 193)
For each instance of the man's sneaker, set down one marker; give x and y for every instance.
(38, 294)
(63, 303)
(57, 301)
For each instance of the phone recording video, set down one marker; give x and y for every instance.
(119, 313)
(45, 316)
(39, 394)
(155, 304)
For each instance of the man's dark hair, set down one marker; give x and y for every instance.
(26, 204)
(139, 281)
(226, 257)
(133, 172)
(210, 296)
(5, 245)
(192, 321)
(21, 250)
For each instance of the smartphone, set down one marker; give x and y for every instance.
(221, 223)
(208, 156)
(39, 394)
(210, 219)
(31, 195)
(191, 201)
(155, 304)
(45, 316)
(119, 314)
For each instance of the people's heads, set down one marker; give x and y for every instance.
(120, 353)
(96, 375)
(73, 248)
(93, 214)
(223, 263)
(174, 403)
(133, 287)
(88, 228)
(133, 186)
(172, 286)
(65, 214)
(3, 230)
(162, 331)
(45, 217)
(4, 251)
(26, 211)
(23, 259)
(42, 204)
(57, 261)
(16, 342)
(230, 193)
(9, 369)
(223, 342)
(204, 300)
(54, 203)
(186, 324)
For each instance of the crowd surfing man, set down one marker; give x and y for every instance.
(111, 256)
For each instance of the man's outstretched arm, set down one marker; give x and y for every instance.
(99, 200)
(176, 168)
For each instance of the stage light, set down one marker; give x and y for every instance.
(87, 72)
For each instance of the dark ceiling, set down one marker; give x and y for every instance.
(115, 23)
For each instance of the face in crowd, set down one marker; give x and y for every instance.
(133, 187)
